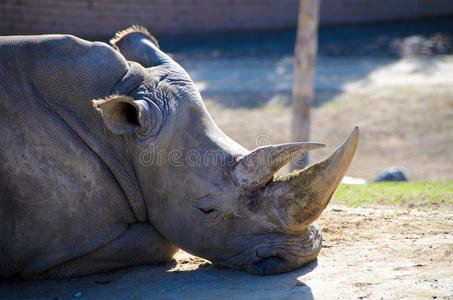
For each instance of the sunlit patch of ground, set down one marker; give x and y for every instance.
(376, 253)
(408, 124)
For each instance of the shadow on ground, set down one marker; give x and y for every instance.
(164, 282)
(252, 69)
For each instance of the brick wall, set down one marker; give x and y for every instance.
(100, 18)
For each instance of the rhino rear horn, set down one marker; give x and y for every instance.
(257, 167)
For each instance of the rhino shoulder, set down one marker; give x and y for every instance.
(62, 64)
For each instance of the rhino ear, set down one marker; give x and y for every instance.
(121, 114)
(137, 44)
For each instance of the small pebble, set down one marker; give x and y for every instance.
(78, 294)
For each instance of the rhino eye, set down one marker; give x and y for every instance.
(206, 210)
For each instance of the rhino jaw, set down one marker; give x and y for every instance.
(301, 250)
(299, 198)
(275, 253)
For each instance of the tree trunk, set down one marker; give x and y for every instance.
(305, 55)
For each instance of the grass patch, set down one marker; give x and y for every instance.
(406, 194)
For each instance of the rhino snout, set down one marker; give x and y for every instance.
(278, 253)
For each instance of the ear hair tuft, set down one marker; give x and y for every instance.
(98, 102)
(131, 30)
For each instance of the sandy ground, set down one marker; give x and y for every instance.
(368, 253)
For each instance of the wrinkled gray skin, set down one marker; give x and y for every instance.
(85, 190)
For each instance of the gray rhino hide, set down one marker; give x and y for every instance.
(67, 195)
(81, 190)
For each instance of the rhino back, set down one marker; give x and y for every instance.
(59, 70)
(58, 199)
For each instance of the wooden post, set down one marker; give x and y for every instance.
(304, 56)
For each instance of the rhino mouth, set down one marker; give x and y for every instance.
(278, 253)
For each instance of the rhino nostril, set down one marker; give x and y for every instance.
(274, 258)
(267, 252)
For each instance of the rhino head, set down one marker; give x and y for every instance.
(203, 191)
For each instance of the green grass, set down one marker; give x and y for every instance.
(406, 194)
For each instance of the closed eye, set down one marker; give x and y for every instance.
(206, 210)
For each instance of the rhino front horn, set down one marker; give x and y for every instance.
(257, 167)
(299, 198)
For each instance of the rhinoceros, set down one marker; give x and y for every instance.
(109, 158)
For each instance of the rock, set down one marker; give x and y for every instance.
(392, 174)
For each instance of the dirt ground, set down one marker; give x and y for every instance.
(376, 253)
(368, 253)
